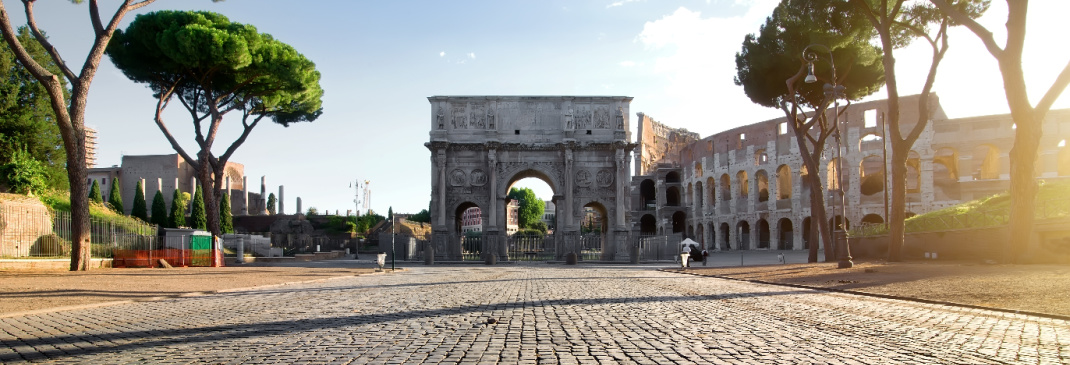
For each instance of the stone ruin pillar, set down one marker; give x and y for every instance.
(244, 195)
(298, 206)
(262, 208)
(281, 209)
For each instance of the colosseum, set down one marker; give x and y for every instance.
(744, 188)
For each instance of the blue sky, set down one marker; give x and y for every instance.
(380, 60)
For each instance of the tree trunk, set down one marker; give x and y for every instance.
(77, 174)
(897, 210)
(1023, 185)
(208, 191)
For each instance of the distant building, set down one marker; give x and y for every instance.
(165, 173)
(472, 219)
(549, 215)
(90, 147)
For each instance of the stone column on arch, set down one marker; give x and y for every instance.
(282, 207)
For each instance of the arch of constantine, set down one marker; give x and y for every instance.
(481, 145)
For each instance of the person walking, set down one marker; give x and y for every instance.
(685, 252)
(705, 257)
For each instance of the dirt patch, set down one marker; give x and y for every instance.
(24, 290)
(1032, 288)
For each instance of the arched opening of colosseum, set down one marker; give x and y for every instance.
(872, 219)
(871, 176)
(783, 183)
(1063, 159)
(698, 196)
(725, 243)
(744, 184)
(785, 241)
(698, 169)
(838, 222)
(804, 186)
(468, 223)
(648, 194)
(743, 238)
(712, 201)
(726, 187)
(913, 176)
(679, 220)
(760, 157)
(871, 143)
(648, 225)
(672, 177)
(986, 162)
(672, 196)
(690, 232)
(763, 185)
(946, 174)
(807, 232)
(763, 233)
(700, 236)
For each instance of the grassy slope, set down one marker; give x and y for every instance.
(981, 211)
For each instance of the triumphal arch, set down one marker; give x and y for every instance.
(578, 145)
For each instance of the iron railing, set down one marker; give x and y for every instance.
(42, 233)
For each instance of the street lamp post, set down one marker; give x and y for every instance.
(833, 90)
(393, 233)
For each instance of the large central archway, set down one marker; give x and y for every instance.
(480, 145)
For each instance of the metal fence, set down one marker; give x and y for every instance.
(47, 233)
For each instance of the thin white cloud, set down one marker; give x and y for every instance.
(620, 3)
(472, 55)
(442, 54)
(627, 63)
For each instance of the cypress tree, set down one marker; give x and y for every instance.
(226, 219)
(198, 216)
(178, 211)
(271, 203)
(159, 210)
(94, 193)
(115, 198)
(140, 211)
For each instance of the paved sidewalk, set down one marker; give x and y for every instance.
(533, 314)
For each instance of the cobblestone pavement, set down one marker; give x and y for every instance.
(543, 314)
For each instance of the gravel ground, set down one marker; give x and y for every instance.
(1031, 288)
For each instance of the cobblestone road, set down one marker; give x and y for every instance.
(543, 313)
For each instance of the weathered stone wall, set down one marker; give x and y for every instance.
(23, 223)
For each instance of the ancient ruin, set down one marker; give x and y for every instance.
(481, 145)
